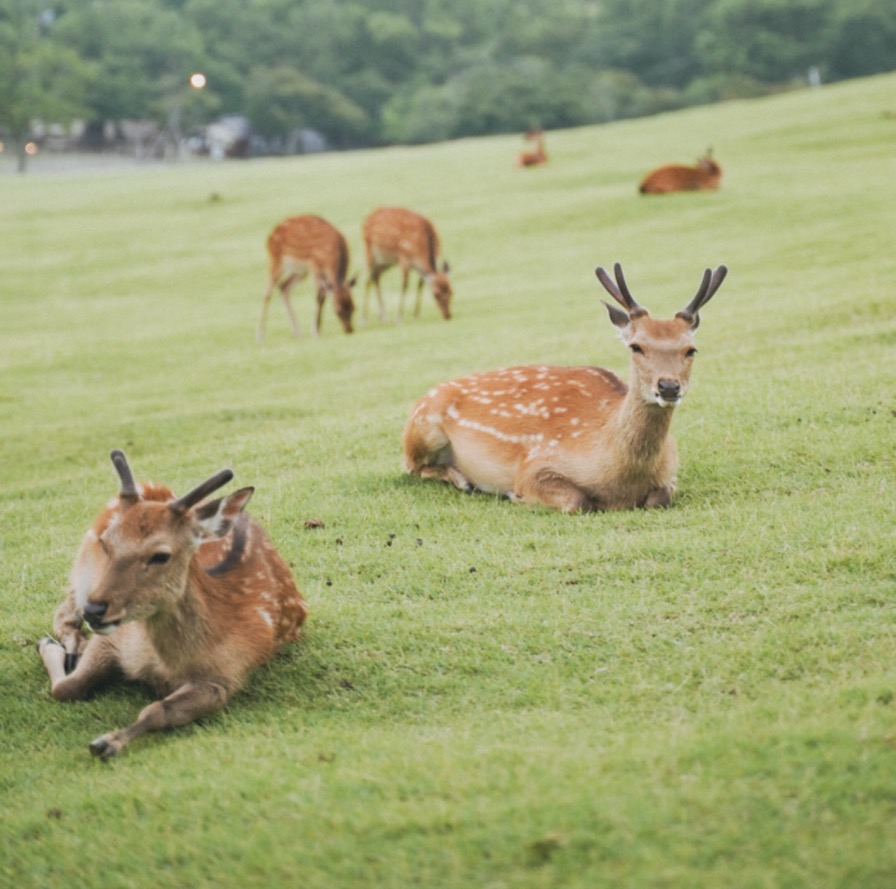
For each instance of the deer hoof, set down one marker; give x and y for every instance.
(103, 749)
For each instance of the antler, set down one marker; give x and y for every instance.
(128, 488)
(711, 282)
(621, 294)
(200, 492)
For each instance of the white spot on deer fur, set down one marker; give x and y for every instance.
(575, 421)
(265, 616)
(525, 438)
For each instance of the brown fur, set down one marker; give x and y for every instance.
(303, 245)
(573, 438)
(395, 236)
(191, 626)
(706, 174)
(536, 155)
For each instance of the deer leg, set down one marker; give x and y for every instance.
(405, 275)
(285, 289)
(551, 488)
(97, 661)
(67, 622)
(190, 702)
(428, 453)
(419, 297)
(448, 473)
(321, 298)
(657, 498)
(374, 279)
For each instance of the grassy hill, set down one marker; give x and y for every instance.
(487, 695)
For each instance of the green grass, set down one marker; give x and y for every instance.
(487, 695)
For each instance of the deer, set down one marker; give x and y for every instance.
(184, 594)
(705, 175)
(537, 155)
(395, 235)
(309, 244)
(576, 439)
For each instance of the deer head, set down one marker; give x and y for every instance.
(661, 351)
(136, 558)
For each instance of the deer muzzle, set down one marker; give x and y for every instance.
(668, 392)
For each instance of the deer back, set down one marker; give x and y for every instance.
(706, 174)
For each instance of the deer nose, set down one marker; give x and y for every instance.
(670, 390)
(93, 613)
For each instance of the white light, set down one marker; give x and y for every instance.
(197, 81)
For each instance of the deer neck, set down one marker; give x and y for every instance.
(642, 428)
(182, 626)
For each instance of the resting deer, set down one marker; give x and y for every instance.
(184, 595)
(536, 155)
(393, 235)
(573, 438)
(706, 174)
(303, 244)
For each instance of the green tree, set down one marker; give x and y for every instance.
(39, 80)
(142, 53)
(281, 100)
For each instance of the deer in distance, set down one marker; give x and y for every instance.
(706, 174)
(396, 236)
(302, 245)
(537, 154)
(577, 439)
(183, 594)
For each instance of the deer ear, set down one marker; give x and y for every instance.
(216, 517)
(617, 316)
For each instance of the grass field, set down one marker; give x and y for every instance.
(486, 695)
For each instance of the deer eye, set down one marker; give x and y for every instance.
(159, 558)
(691, 352)
(636, 349)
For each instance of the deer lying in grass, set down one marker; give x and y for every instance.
(535, 156)
(184, 595)
(573, 438)
(706, 174)
(308, 244)
(393, 235)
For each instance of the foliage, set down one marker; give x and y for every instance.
(378, 71)
(38, 79)
(487, 695)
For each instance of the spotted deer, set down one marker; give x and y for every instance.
(705, 174)
(303, 245)
(394, 235)
(537, 154)
(183, 594)
(572, 438)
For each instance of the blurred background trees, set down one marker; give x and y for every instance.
(368, 72)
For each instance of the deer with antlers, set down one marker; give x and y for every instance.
(572, 438)
(303, 245)
(184, 594)
(396, 236)
(706, 174)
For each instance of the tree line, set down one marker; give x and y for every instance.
(375, 72)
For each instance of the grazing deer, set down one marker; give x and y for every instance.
(393, 235)
(706, 174)
(536, 155)
(184, 595)
(573, 438)
(303, 244)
